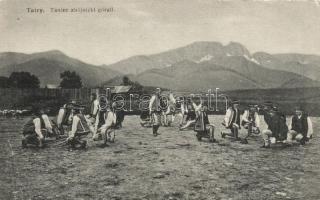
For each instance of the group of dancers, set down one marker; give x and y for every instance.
(103, 118)
(194, 114)
(74, 125)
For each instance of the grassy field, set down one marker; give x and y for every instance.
(173, 165)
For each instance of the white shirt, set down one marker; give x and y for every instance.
(196, 107)
(47, 122)
(184, 108)
(110, 120)
(245, 117)
(37, 126)
(152, 99)
(95, 107)
(74, 127)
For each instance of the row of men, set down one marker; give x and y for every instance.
(102, 120)
(71, 118)
(300, 126)
(195, 115)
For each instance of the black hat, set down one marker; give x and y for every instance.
(268, 103)
(299, 107)
(274, 109)
(36, 110)
(252, 106)
(235, 102)
(78, 107)
(70, 105)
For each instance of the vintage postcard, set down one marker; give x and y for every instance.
(159, 100)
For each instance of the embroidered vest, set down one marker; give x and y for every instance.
(300, 125)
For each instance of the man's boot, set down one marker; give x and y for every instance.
(83, 144)
(41, 143)
(235, 133)
(303, 141)
(155, 130)
(250, 130)
(266, 144)
(24, 143)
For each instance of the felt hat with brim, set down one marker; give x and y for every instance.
(252, 107)
(268, 103)
(78, 107)
(36, 110)
(298, 108)
(235, 102)
(274, 109)
(72, 104)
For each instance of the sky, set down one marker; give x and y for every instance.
(142, 27)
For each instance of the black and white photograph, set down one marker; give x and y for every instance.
(159, 100)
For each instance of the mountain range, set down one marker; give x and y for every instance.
(203, 65)
(48, 66)
(196, 67)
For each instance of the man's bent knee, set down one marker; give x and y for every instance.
(266, 132)
(299, 137)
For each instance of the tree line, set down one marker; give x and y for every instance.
(24, 80)
(69, 80)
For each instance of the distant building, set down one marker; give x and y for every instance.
(52, 86)
(121, 89)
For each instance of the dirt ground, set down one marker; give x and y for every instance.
(173, 165)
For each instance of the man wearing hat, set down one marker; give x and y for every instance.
(33, 129)
(65, 115)
(79, 127)
(181, 108)
(276, 122)
(101, 112)
(232, 120)
(94, 108)
(109, 124)
(155, 111)
(169, 113)
(251, 120)
(300, 127)
(190, 117)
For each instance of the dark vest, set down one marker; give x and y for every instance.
(206, 118)
(83, 126)
(252, 116)
(191, 115)
(66, 116)
(29, 127)
(277, 124)
(236, 117)
(300, 125)
(200, 124)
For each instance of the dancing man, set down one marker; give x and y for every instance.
(155, 111)
(232, 120)
(300, 127)
(251, 120)
(276, 122)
